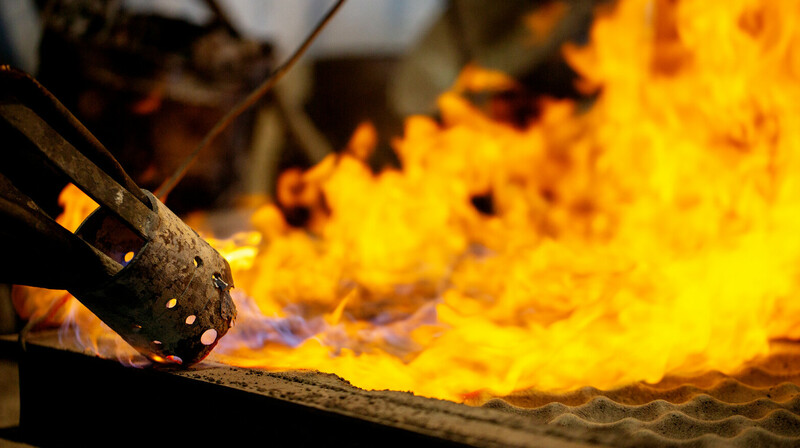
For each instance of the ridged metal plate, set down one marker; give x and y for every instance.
(757, 406)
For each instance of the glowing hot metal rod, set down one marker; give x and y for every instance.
(132, 262)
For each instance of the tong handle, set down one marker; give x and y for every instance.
(67, 145)
(40, 252)
(83, 172)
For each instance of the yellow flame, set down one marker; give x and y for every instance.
(654, 233)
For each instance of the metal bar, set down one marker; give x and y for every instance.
(18, 86)
(217, 405)
(37, 251)
(85, 174)
(222, 17)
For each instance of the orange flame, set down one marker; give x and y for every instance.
(655, 233)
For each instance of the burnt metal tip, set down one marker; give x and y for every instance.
(173, 275)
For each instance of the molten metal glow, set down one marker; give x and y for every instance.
(656, 232)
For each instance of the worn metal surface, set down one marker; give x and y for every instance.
(36, 129)
(171, 301)
(213, 404)
(42, 137)
(757, 407)
(79, 168)
(17, 87)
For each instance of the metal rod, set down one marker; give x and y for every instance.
(85, 174)
(222, 17)
(23, 88)
(246, 103)
(37, 251)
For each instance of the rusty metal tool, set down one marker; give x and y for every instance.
(132, 262)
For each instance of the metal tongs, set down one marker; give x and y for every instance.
(132, 262)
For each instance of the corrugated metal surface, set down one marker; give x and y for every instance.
(758, 406)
